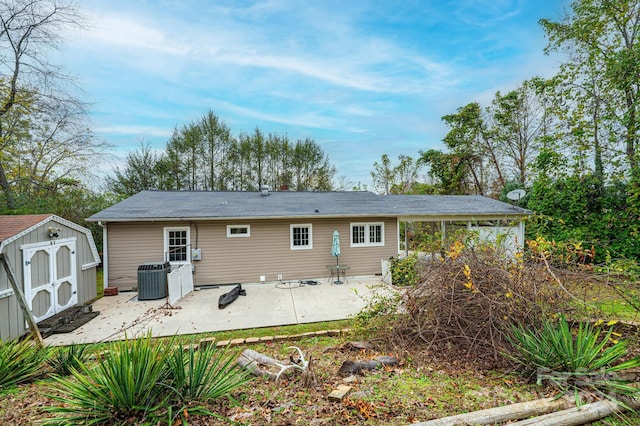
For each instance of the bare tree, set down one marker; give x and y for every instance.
(29, 30)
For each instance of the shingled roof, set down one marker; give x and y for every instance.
(11, 225)
(202, 205)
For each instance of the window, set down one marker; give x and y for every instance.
(367, 234)
(176, 245)
(301, 237)
(238, 231)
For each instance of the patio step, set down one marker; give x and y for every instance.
(67, 320)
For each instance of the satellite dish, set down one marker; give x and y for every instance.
(516, 194)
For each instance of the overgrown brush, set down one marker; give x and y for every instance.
(20, 361)
(466, 302)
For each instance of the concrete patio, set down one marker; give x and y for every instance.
(265, 305)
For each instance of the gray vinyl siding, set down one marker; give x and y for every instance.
(12, 322)
(266, 252)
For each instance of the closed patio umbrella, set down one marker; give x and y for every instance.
(335, 251)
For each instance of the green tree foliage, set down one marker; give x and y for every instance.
(203, 155)
(449, 171)
(602, 74)
(571, 141)
(471, 142)
(142, 171)
(398, 179)
(587, 182)
(42, 135)
(489, 146)
(519, 122)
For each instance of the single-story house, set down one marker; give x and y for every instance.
(264, 236)
(53, 262)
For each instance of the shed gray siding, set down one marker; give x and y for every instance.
(12, 321)
(266, 252)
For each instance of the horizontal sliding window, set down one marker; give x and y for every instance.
(238, 231)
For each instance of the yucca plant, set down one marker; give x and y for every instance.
(66, 359)
(20, 361)
(587, 360)
(204, 375)
(121, 388)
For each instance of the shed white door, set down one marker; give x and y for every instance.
(50, 282)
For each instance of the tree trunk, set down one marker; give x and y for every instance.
(502, 414)
(577, 416)
(7, 190)
(353, 367)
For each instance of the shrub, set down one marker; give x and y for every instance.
(143, 381)
(20, 361)
(204, 375)
(66, 359)
(404, 271)
(584, 361)
(377, 318)
(120, 388)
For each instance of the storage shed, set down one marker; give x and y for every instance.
(54, 264)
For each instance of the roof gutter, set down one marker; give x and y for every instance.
(415, 217)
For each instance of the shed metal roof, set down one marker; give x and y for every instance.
(203, 205)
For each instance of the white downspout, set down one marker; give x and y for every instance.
(105, 256)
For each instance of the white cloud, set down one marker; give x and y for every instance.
(122, 31)
(361, 76)
(134, 130)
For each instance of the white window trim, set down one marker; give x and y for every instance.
(301, 225)
(367, 226)
(166, 242)
(230, 235)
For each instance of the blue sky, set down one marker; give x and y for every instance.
(362, 78)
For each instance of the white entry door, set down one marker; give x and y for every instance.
(50, 282)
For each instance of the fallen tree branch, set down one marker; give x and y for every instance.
(502, 414)
(557, 280)
(256, 362)
(579, 415)
(353, 367)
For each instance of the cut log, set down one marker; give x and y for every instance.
(502, 414)
(352, 367)
(256, 362)
(584, 414)
(259, 364)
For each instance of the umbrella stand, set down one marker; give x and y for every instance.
(335, 251)
(338, 270)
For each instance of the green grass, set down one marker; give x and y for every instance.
(281, 330)
(100, 283)
(618, 309)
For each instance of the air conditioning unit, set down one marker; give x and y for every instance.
(152, 280)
